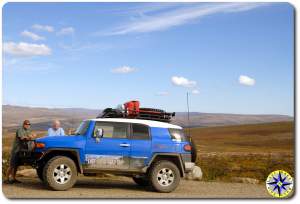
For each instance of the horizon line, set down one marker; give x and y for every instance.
(61, 107)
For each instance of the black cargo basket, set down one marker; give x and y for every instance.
(144, 113)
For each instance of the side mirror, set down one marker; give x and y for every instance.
(99, 133)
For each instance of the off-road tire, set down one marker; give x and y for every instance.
(141, 181)
(153, 176)
(39, 172)
(48, 173)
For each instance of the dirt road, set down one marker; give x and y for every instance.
(122, 187)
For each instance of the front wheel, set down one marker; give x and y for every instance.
(60, 173)
(164, 176)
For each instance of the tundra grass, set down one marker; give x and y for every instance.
(250, 151)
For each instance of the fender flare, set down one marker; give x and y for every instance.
(178, 156)
(70, 150)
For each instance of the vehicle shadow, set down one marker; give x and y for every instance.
(36, 184)
(31, 183)
(110, 184)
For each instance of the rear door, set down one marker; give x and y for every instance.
(111, 152)
(140, 137)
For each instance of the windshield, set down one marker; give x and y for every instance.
(82, 128)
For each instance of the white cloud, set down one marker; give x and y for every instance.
(195, 91)
(25, 49)
(184, 82)
(177, 17)
(32, 35)
(66, 31)
(123, 70)
(43, 27)
(162, 93)
(247, 81)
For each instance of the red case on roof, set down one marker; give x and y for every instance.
(132, 108)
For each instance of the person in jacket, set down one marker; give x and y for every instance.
(22, 134)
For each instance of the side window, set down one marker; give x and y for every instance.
(112, 130)
(177, 134)
(140, 132)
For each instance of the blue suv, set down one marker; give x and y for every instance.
(153, 153)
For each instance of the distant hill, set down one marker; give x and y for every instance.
(221, 119)
(41, 118)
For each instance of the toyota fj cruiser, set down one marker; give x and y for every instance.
(153, 153)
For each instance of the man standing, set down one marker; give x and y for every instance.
(22, 134)
(56, 130)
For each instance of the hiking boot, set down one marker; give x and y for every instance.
(16, 181)
(8, 182)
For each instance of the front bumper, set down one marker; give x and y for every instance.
(29, 157)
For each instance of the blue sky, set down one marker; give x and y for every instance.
(230, 57)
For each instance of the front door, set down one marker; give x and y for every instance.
(111, 152)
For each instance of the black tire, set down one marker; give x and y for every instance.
(110, 113)
(141, 181)
(39, 172)
(164, 186)
(56, 166)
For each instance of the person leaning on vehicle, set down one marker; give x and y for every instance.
(56, 130)
(22, 134)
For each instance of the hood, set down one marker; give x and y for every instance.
(74, 141)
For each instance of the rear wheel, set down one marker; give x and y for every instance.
(164, 176)
(60, 173)
(141, 181)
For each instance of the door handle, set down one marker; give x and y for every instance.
(124, 145)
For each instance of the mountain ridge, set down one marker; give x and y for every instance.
(41, 118)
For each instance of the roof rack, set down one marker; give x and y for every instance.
(132, 110)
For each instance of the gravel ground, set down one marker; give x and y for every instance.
(122, 187)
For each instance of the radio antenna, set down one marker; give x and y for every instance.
(188, 113)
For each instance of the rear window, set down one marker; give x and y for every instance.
(177, 135)
(140, 132)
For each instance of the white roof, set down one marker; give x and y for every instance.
(150, 123)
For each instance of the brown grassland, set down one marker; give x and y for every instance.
(248, 151)
(229, 152)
